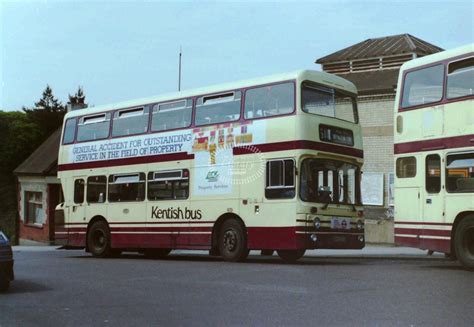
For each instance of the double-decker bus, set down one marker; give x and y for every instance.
(434, 154)
(265, 164)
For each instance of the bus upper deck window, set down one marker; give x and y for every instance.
(218, 108)
(460, 78)
(171, 115)
(130, 121)
(423, 86)
(69, 131)
(94, 127)
(270, 100)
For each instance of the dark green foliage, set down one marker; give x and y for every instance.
(47, 113)
(21, 133)
(20, 137)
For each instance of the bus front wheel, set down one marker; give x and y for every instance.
(464, 242)
(98, 240)
(290, 256)
(232, 241)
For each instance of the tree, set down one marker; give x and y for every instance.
(47, 114)
(78, 98)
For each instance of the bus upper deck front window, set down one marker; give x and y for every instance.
(325, 101)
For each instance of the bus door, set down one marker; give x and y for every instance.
(75, 212)
(433, 203)
(433, 199)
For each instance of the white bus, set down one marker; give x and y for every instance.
(265, 164)
(434, 154)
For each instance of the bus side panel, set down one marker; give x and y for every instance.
(273, 238)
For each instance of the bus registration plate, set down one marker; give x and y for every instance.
(340, 223)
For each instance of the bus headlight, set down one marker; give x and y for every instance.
(360, 224)
(361, 238)
(317, 223)
(313, 237)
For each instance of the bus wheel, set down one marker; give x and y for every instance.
(232, 241)
(156, 253)
(290, 256)
(98, 240)
(464, 242)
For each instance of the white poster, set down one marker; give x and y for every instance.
(372, 189)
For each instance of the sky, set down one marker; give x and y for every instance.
(122, 50)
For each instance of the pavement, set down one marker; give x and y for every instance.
(370, 251)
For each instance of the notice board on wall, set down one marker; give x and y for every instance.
(372, 189)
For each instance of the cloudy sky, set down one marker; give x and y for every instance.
(120, 50)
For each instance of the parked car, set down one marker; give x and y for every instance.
(6, 263)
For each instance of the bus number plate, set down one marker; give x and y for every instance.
(340, 223)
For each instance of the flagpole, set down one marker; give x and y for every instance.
(179, 73)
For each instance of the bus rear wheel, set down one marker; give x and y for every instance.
(464, 242)
(290, 256)
(233, 241)
(98, 240)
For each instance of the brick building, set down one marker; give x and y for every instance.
(39, 191)
(373, 66)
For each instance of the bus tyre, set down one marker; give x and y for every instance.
(157, 253)
(290, 256)
(464, 242)
(98, 240)
(233, 241)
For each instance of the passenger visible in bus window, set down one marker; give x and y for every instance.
(460, 78)
(460, 173)
(96, 189)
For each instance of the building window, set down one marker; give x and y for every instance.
(95, 127)
(406, 167)
(96, 189)
(460, 78)
(79, 187)
(168, 185)
(69, 131)
(271, 100)
(127, 187)
(172, 115)
(130, 121)
(280, 181)
(34, 213)
(433, 173)
(423, 86)
(218, 108)
(460, 173)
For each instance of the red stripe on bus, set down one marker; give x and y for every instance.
(421, 223)
(127, 161)
(423, 231)
(298, 145)
(424, 243)
(269, 147)
(435, 144)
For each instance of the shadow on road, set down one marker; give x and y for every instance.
(25, 286)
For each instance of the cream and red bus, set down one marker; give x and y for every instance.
(266, 164)
(434, 154)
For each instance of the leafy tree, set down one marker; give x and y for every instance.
(47, 114)
(20, 137)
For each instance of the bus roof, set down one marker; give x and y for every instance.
(440, 56)
(329, 79)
